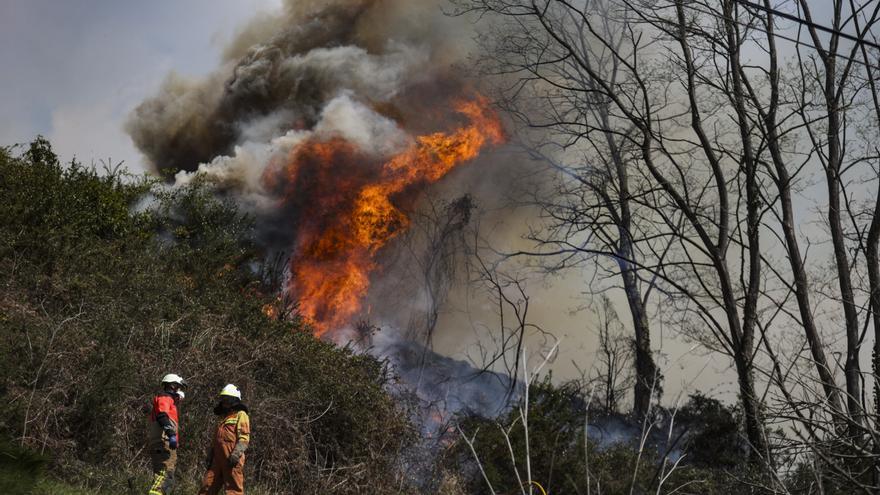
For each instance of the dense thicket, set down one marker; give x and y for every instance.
(110, 281)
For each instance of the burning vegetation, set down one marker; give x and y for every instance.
(350, 206)
(326, 123)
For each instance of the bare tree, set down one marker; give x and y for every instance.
(872, 244)
(593, 194)
(506, 291)
(437, 247)
(829, 73)
(775, 135)
(683, 146)
(673, 116)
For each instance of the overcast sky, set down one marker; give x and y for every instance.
(72, 71)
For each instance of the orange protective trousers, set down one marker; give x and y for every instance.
(233, 428)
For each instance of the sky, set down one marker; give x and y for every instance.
(72, 71)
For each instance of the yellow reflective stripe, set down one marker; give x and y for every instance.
(157, 483)
(233, 421)
(544, 492)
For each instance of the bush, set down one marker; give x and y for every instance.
(711, 437)
(561, 463)
(101, 296)
(20, 469)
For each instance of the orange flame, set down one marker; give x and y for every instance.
(270, 311)
(347, 212)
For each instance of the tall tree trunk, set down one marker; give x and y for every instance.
(801, 284)
(646, 370)
(873, 259)
(852, 370)
(872, 256)
(647, 376)
(748, 165)
(833, 163)
(792, 246)
(741, 333)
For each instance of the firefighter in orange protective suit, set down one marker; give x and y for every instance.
(226, 457)
(163, 433)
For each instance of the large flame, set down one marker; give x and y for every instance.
(347, 208)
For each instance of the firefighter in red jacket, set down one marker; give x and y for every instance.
(226, 457)
(163, 432)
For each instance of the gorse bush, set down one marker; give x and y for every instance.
(110, 281)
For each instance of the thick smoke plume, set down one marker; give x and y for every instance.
(280, 73)
(328, 122)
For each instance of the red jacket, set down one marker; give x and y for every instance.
(164, 412)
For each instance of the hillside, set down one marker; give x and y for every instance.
(109, 282)
(112, 280)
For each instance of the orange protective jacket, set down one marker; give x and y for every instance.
(234, 427)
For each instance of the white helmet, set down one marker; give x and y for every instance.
(172, 378)
(231, 390)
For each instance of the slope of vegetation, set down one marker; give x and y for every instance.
(111, 281)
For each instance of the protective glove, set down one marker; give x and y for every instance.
(235, 455)
(172, 442)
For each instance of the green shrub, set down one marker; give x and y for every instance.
(101, 296)
(20, 469)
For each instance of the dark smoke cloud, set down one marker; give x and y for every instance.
(280, 72)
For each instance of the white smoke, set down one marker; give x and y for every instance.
(344, 117)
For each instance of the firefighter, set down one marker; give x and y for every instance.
(226, 457)
(163, 435)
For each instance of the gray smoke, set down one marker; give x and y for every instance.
(280, 72)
